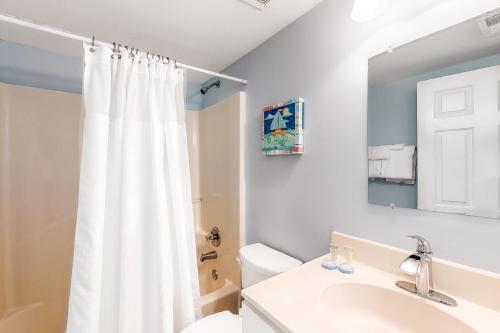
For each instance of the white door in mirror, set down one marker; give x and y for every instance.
(458, 120)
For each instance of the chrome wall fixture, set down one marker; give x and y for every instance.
(212, 255)
(214, 237)
(215, 274)
(205, 89)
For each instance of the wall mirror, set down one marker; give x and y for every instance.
(434, 121)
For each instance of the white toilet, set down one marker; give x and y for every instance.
(258, 262)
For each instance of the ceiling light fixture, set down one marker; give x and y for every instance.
(366, 10)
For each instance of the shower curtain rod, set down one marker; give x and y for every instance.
(61, 33)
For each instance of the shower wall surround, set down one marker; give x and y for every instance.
(39, 172)
(331, 176)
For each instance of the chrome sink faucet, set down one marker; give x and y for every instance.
(419, 264)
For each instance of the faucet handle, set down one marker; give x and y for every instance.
(423, 246)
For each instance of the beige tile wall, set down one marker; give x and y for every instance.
(215, 142)
(40, 183)
(220, 178)
(3, 197)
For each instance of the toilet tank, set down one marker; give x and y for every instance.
(260, 262)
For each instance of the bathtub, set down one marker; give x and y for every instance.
(224, 298)
(32, 318)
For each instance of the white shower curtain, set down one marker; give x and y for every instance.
(134, 268)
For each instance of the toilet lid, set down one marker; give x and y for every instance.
(222, 322)
(267, 260)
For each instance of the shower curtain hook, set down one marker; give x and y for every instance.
(118, 51)
(114, 50)
(136, 53)
(92, 48)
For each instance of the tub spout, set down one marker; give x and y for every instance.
(208, 256)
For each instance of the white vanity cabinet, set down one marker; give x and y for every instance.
(255, 322)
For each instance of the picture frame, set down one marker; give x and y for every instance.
(283, 128)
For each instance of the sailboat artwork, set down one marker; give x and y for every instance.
(283, 127)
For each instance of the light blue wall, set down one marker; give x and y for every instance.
(33, 67)
(215, 95)
(392, 119)
(295, 202)
(193, 96)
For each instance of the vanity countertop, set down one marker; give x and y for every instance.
(295, 301)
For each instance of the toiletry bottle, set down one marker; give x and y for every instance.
(347, 267)
(331, 263)
(333, 252)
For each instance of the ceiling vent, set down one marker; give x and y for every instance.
(490, 24)
(259, 4)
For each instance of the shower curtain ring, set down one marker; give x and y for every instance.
(119, 51)
(116, 49)
(92, 48)
(136, 53)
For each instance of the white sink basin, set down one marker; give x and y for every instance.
(356, 307)
(310, 299)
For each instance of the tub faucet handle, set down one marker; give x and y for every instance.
(214, 237)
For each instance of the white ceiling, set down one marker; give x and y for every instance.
(206, 33)
(460, 43)
(402, 10)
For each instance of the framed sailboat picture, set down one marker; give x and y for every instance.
(283, 128)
